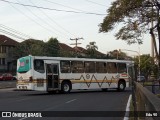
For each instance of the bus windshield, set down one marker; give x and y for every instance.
(24, 64)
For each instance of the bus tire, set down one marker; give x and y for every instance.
(121, 86)
(66, 87)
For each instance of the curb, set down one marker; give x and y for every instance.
(126, 117)
(7, 84)
(6, 87)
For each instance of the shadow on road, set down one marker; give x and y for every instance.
(39, 93)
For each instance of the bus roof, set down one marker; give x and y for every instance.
(79, 59)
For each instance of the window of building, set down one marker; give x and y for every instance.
(65, 67)
(77, 67)
(0, 49)
(4, 49)
(89, 67)
(122, 68)
(38, 65)
(111, 67)
(3, 61)
(101, 67)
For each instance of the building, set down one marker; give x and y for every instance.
(81, 51)
(7, 62)
(65, 50)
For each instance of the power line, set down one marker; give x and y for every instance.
(40, 18)
(76, 43)
(51, 19)
(15, 31)
(51, 8)
(31, 19)
(64, 5)
(11, 34)
(95, 3)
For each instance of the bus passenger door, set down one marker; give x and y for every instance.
(52, 76)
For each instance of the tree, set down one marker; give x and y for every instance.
(92, 49)
(135, 17)
(116, 54)
(52, 47)
(146, 65)
(29, 47)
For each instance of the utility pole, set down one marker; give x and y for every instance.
(76, 43)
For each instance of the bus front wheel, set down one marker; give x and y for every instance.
(121, 86)
(66, 87)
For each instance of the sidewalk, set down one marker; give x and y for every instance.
(7, 84)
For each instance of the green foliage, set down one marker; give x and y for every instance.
(134, 17)
(147, 65)
(92, 50)
(115, 54)
(29, 47)
(52, 47)
(37, 48)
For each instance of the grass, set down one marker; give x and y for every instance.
(147, 83)
(158, 95)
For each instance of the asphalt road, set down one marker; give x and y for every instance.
(92, 105)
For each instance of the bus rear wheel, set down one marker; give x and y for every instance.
(66, 87)
(121, 86)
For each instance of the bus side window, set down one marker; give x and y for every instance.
(89, 67)
(111, 67)
(101, 67)
(122, 68)
(77, 67)
(39, 66)
(65, 67)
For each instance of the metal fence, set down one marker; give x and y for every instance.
(146, 104)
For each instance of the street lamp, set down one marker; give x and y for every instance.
(139, 71)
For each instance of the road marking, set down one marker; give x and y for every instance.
(71, 101)
(126, 116)
(23, 118)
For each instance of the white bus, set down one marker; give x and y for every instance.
(66, 74)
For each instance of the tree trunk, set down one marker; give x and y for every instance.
(154, 42)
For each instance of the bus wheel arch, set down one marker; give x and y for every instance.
(66, 86)
(121, 85)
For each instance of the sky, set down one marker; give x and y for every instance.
(59, 19)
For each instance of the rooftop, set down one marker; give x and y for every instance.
(4, 40)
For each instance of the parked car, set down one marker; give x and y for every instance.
(7, 76)
(140, 78)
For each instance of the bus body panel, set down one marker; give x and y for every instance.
(93, 80)
(32, 78)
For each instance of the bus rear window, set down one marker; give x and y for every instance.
(24, 65)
